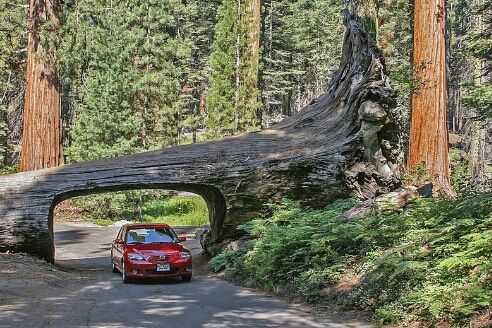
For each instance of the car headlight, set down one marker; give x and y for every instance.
(135, 257)
(184, 255)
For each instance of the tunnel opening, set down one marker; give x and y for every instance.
(71, 237)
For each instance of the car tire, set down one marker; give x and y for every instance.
(113, 267)
(186, 278)
(124, 277)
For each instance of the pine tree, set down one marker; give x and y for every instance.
(470, 79)
(301, 47)
(14, 17)
(232, 97)
(479, 93)
(316, 32)
(125, 84)
(276, 74)
(195, 21)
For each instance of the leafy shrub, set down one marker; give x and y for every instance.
(294, 247)
(438, 268)
(10, 169)
(431, 263)
(224, 260)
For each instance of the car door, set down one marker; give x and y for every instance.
(117, 249)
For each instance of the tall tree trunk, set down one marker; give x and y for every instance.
(477, 156)
(428, 134)
(247, 64)
(253, 10)
(42, 133)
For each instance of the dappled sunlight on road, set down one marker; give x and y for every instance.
(258, 317)
(83, 292)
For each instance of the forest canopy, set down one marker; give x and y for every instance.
(144, 75)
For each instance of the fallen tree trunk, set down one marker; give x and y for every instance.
(341, 145)
(394, 201)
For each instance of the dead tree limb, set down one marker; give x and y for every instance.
(341, 145)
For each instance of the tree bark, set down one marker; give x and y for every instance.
(340, 146)
(428, 149)
(42, 131)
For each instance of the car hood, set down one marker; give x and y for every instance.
(154, 250)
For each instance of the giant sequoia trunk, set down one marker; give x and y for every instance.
(42, 131)
(429, 134)
(339, 146)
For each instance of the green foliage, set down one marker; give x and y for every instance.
(477, 93)
(13, 41)
(431, 263)
(104, 209)
(418, 174)
(225, 260)
(222, 94)
(120, 60)
(10, 169)
(293, 248)
(460, 172)
(156, 206)
(232, 98)
(177, 211)
(301, 46)
(196, 20)
(478, 97)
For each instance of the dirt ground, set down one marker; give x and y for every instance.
(24, 280)
(27, 279)
(25, 276)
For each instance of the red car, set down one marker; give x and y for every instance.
(150, 250)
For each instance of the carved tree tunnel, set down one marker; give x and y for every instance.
(342, 145)
(211, 195)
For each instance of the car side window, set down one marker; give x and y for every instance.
(121, 233)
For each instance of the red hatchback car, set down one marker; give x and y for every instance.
(150, 250)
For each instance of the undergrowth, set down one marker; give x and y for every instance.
(107, 208)
(431, 263)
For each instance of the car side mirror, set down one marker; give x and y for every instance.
(182, 238)
(119, 241)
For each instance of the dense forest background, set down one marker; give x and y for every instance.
(143, 75)
(133, 76)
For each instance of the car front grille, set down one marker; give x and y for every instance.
(165, 257)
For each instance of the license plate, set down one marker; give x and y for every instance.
(163, 267)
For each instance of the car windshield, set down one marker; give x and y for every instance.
(151, 236)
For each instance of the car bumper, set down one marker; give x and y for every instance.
(139, 269)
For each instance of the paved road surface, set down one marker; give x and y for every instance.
(203, 302)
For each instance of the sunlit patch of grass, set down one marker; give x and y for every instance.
(177, 211)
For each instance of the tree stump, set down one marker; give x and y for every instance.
(342, 145)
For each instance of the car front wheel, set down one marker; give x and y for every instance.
(186, 278)
(113, 267)
(124, 277)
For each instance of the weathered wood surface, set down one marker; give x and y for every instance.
(394, 201)
(332, 149)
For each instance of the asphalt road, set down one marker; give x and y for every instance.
(204, 302)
